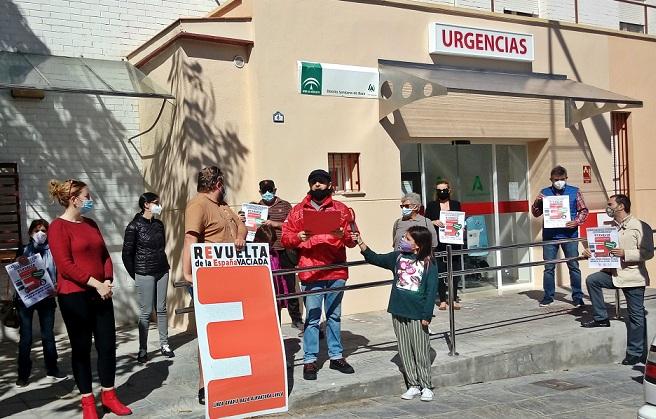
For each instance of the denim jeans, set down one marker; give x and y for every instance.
(635, 296)
(332, 303)
(550, 252)
(46, 309)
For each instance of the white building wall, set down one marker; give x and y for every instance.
(603, 13)
(82, 136)
(559, 10)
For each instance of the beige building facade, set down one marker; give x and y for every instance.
(235, 73)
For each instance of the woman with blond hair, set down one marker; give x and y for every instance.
(84, 290)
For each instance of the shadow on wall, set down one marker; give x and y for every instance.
(70, 136)
(190, 136)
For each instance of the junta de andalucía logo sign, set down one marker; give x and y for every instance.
(311, 78)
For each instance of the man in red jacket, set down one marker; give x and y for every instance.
(316, 250)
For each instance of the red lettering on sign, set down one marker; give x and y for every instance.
(457, 39)
(444, 38)
(522, 46)
(489, 42)
(469, 40)
(479, 41)
(513, 46)
(499, 47)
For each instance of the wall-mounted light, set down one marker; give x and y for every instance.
(28, 94)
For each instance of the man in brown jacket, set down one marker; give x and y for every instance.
(636, 246)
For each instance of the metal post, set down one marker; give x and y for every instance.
(452, 321)
(617, 304)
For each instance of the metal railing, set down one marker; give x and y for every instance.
(449, 275)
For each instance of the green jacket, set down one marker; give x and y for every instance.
(414, 287)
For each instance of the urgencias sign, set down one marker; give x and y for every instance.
(477, 42)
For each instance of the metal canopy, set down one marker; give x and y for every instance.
(402, 83)
(75, 75)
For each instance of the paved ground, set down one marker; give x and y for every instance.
(597, 392)
(488, 328)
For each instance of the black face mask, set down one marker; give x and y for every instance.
(318, 195)
(443, 194)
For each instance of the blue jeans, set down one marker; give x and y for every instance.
(550, 252)
(635, 296)
(46, 309)
(333, 306)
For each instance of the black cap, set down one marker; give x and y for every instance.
(319, 175)
(267, 185)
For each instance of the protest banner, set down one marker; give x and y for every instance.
(454, 227)
(601, 241)
(255, 216)
(31, 279)
(556, 211)
(241, 347)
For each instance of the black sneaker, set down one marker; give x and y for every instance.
(310, 371)
(578, 303)
(201, 396)
(298, 324)
(166, 351)
(341, 365)
(21, 382)
(57, 375)
(632, 360)
(142, 357)
(596, 323)
(546, 303)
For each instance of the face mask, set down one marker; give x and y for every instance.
(405, 246)
(87, 205)
(39, 237)
(156, 209)
(319, 195)
(268, 196)
(443, 194)
(406, 212)
(559, 184)
(610, 212)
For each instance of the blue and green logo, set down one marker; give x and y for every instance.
(311, 78)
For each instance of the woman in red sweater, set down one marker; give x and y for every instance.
(84, 291)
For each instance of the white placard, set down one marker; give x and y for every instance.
(601, 241)
(556, 211)
(479, 42)
(255, 216)
(31, 280)
(337, 80)
(454, 227)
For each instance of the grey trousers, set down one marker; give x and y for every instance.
(414, 349)
(151, 291)
(635, 297)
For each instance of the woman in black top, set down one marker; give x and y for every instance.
(443, 202)
(145, 259)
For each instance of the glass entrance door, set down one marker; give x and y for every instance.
(491, 182)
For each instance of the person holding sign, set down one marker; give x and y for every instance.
(635, 247)
(564, 210)
(411, 303)
(38, 245)
(209, 219)
(85, 277)
(319, 229)
(434, 210)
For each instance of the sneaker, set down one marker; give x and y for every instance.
(411, 393)
(442, 306)
(142, 357)
(456, 306)
(546, 303)
(201, 396)
(57, 375)
(310, 371)
(578, 303)
(426, 395)
(166, 351)
(298, 324)
(632, 360)
(341, 365)
(596, 323)
(21, 382)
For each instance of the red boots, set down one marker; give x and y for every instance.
(89, 407)
(113, 404)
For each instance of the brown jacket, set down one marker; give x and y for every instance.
(637, 240)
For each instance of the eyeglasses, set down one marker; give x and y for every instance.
(407, 205)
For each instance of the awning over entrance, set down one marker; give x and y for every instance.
(75, 75)
(402, 83)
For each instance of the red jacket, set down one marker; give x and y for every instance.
(319, 249)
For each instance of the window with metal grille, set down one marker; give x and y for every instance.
(345, 170)
(632, 27)
(10, 223)
(620, 148)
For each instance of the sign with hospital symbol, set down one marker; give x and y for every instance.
(323, 79)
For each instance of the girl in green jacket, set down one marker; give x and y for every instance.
(411, 303)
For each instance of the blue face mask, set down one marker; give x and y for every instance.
(87, 205)
(406, 212)
(405, 246)
(268, 196)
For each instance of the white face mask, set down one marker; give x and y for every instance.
(156, 209)
(560, 184)
(39, 237)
